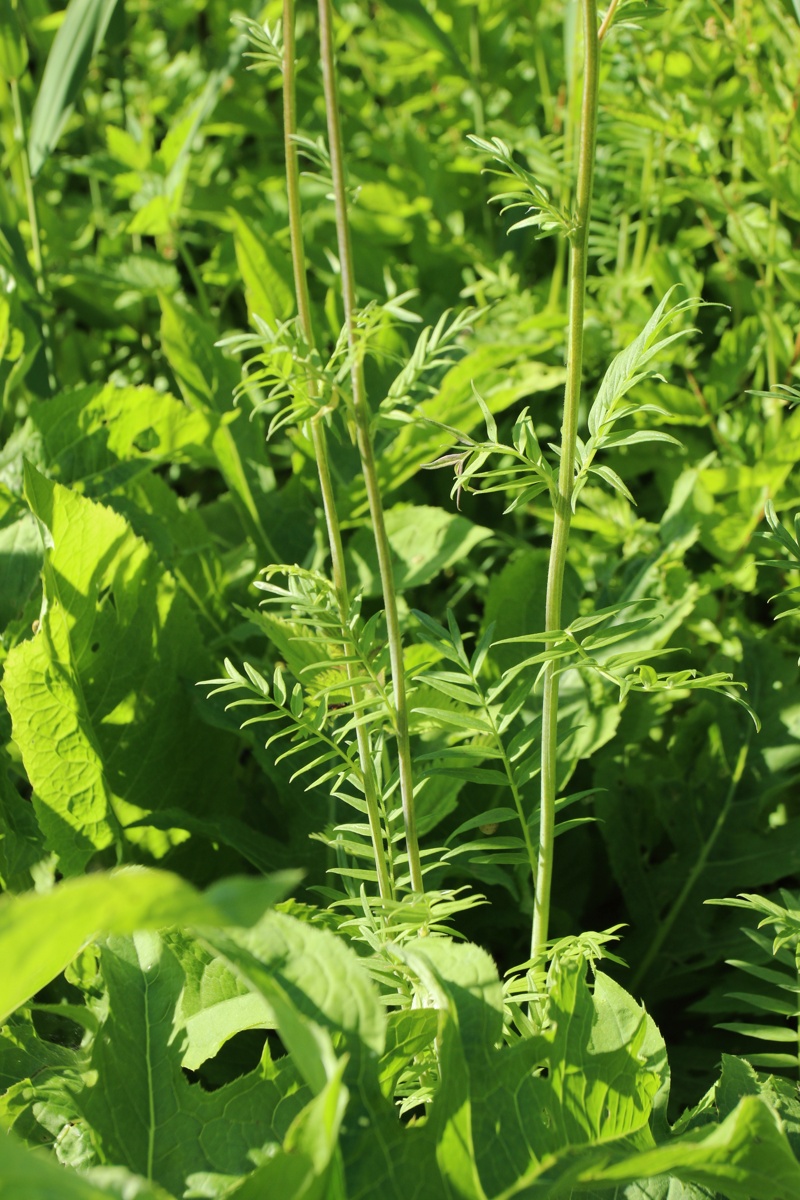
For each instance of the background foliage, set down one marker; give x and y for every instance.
(143, 226)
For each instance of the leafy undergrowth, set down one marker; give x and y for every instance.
(576, 1108)
(311, 643)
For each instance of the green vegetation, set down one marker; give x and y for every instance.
(398, 562)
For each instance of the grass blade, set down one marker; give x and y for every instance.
(79, 38)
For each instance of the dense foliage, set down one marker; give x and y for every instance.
(306, 626)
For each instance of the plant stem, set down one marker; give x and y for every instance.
(563, 507)
(33, 223)
(478, 116)
(366, 450)
(568, 126)
(194, 274)
(318, 437)
(773, 408)
(530, 849)
(607, 21)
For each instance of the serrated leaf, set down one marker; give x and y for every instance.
(304, 971)
(102, 437)
(142, 1109)
(98, 698)
(747, 1157)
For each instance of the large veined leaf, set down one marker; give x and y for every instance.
(143, 1111)
(214, 1002)
(424, 542)
(265, 271)
(662, 1187)
(41, 933)
(319, 991)
(40, 1080)
(307, 972)
(747, 1157)
(21, 843)
(80, 36)
(99, 698)
(585, 1122)
(21, 556)
(100, 438)
(307, 1167)
(604, 1066)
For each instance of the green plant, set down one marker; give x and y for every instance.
(780, 976)
(437, 687)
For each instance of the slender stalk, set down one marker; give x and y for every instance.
(194, 274)
(642, 226)
(478, 115)
(318, 437)
(607, 21)
(773, 409)
(563, 507)
(33, 223)
(366, 450)
(530, 849)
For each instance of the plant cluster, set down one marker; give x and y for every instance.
(397, 442)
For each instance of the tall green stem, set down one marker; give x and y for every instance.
(366, 450)
(773, 408)
(318, 437)
(563, 508)
(33, 223)
(478, 116)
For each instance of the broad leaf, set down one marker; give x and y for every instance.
(267, 275)
(40, 933)
(143, 1111)
(425, 541)
(99, 698)
(102, 437)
